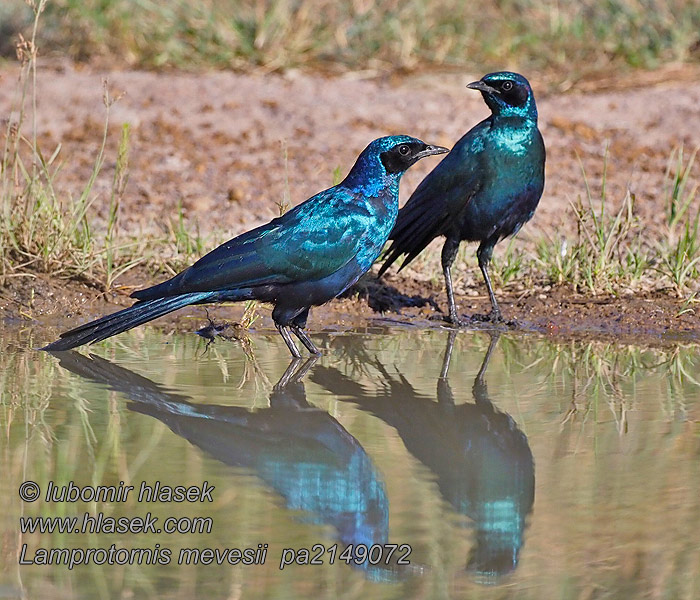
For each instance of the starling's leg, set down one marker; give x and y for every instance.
(448, 354)
(444, 391)
(479, 390)
(295, 372)
(449, 252)
(288, 374)
(484, 254)
(297, 327)
(287, 337)
(306, 340)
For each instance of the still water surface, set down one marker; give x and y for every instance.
(524, 468)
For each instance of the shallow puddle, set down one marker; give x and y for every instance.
(534, 469)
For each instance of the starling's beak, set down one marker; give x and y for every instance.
(430, 150)
(482, 87)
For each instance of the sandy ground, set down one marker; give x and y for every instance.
(229, 147)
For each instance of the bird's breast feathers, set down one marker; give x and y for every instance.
(515, 140)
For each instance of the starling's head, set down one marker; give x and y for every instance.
(385, 159)
(507, 94)
(398, 152)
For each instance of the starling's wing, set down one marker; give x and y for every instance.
(311, 241)
(439, 199)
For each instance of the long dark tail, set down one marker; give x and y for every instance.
(126, 319)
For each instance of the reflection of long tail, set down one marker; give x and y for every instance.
(137, 388)
(299, 451)
(126, 319)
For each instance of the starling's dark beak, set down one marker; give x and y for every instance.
(430, 150)
(482, 87)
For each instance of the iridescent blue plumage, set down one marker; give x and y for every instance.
(299, 451)
(303, 258)
(484, 190)
(482, 461)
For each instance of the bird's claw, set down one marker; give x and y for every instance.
(456, 322)
(452, 320)
(494, 317)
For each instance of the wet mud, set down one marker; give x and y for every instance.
(395, 302)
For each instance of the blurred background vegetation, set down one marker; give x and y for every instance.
(568, 38)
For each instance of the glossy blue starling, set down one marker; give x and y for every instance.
(484, 190)
(304, 258)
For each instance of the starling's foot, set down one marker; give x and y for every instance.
(452, 320)
(495, 318)
(492, 317)
(457, 322)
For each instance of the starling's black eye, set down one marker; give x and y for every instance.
(404, 149)
(506, 86)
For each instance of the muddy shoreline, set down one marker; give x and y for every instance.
(51, 307)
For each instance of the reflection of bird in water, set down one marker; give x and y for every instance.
(300, 451)
(483, 462)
